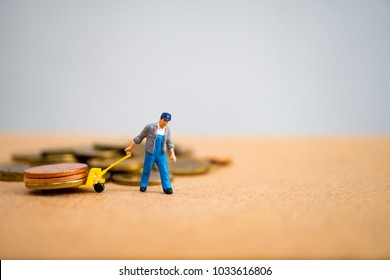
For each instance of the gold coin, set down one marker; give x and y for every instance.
(58, 155)
(135, 180)
(129, 165)
(32, 157)
(119, 146)
(13, 171)
(181, 150)
(57, 151)
(56, 185)
(219, 160)
(58, 159)
(189, 166)
(138, 150)
(38, 158)
(83, 154)
(111, 145)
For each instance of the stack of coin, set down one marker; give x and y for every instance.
(55, 176)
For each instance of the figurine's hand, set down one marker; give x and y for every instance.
(173, 157)
(128, 151)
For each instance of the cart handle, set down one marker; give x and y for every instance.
(115, 163)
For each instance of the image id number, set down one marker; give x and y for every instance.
(242, 270)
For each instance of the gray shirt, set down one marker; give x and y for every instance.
(150, 132)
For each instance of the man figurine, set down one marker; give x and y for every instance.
(158, 140)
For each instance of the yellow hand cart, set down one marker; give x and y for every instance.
(95, 176)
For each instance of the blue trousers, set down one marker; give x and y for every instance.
(160, 159)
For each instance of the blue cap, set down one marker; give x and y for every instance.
(166, 116)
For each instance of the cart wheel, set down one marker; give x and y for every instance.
(98, 187)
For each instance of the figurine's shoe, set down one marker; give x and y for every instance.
(168, 191)
(142, 189)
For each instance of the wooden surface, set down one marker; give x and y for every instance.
(280, 199)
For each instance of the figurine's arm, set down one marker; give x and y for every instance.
(170, 145)
(172, 155)
(130, 148)
(137, 140)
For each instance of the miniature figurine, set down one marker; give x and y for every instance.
(158, 140)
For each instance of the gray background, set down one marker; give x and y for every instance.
(220, 67)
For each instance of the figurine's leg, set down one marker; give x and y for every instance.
(148, 164)
(162, 165)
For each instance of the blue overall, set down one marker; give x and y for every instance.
(160, 158)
